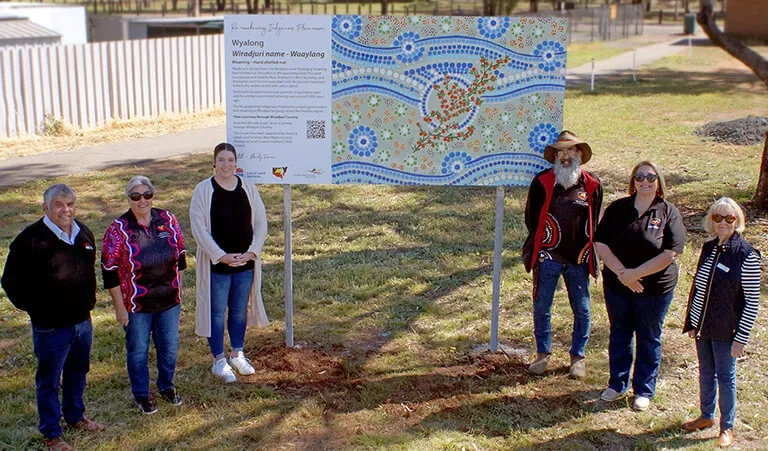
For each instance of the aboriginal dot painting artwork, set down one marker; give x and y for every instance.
(425, 100)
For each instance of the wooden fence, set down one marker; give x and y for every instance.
(87, 85)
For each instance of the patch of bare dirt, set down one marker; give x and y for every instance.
(336, 376)
(744, 131)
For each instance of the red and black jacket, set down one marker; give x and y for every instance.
(537, 207)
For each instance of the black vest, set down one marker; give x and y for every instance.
(723, 306)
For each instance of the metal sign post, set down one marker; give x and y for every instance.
(497, 241)
(287, 231)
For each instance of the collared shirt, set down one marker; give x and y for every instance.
(60, 234)
(144, 261)
(635, 239)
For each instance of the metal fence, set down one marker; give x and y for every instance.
(603, 23)
(87, 85)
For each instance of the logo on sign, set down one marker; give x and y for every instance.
(280, 172)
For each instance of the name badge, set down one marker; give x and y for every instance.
(723, 268)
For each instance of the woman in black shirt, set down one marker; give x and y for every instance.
(229, 223)
(638, 239)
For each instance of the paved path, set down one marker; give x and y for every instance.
(14, 171)
(622, 63)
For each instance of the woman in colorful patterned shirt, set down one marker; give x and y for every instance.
(142, 257)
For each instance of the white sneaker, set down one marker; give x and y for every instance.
(242, 364)
(610, 395)
(641, 403)
(222, 370)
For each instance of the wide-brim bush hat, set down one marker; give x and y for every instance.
(565, 140)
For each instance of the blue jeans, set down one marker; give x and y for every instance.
(63, 360)
(639, 318)
(229, 297)
(577, 283)
(164, 329)
(717, 370)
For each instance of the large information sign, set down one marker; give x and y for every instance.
(394, 100)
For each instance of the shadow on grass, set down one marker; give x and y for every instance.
(510, 415)
(667, 438)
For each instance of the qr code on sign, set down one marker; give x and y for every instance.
(315, 129)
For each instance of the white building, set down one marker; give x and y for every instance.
(42, 23)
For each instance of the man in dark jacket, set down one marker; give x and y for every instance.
(50, 274)
(561, 215)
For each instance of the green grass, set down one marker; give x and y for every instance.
(582, 53)
(393, 296)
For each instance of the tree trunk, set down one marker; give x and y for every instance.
(489, 7)
(736, 47)
(761, 193)
(534, 6)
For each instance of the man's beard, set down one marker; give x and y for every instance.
(567, 176)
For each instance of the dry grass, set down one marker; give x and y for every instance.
(114, 131)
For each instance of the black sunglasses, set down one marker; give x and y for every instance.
(728, 218)
(639, 177)
(137, 196)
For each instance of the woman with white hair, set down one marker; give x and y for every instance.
(142, 257)
(722, 307)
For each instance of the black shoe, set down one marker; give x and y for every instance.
(169, 395)
(146, 405)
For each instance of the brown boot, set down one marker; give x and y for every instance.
(698, 424)
(540, 364)
(87, 425)
(725, 439)
(578, 368)
(58, 444)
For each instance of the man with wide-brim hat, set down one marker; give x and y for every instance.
(561, 215)
(565, 140)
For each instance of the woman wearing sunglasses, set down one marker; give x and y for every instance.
(229, 223)
(638, 240)
(142, 257)
(722, 307)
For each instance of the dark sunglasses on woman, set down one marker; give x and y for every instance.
(728, 218)
(137, 196)
(639, 177)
